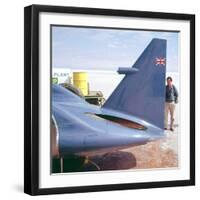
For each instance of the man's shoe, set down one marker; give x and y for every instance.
(171, 129)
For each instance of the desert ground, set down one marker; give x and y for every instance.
(157, 154)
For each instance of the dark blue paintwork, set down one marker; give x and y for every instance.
(127, 70)
(138, 98)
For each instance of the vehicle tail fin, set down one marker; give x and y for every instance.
(142, 91)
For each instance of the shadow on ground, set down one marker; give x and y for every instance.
(118, 160)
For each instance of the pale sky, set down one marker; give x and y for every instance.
(106, 49)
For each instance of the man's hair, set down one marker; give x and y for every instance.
(169, 78)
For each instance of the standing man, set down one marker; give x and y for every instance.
(170, 101)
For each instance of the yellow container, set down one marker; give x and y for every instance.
(80, 80)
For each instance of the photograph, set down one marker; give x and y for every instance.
(114, 99)
(109, 99)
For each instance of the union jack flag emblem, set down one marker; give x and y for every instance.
(160, 61)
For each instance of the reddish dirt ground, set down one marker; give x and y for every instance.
(157, 154)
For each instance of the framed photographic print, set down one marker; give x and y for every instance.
(109, 99)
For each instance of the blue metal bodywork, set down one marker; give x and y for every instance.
(139, 98)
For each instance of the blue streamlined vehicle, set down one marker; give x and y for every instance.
(132, 115)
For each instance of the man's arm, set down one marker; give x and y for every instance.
(175, 94)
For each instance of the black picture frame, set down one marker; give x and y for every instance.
(31, 98)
